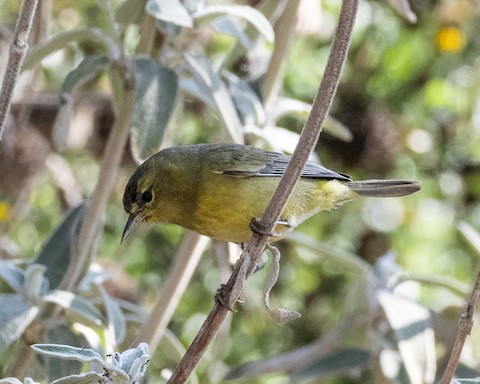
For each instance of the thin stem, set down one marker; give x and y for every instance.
(465, 325)
(92, 221)
(255, 247)
(186, 260)
(18, 49)
(283, 36)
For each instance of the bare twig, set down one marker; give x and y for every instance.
(465, 325)
(18, 48)
(106, 179)
(186, 261)
(310, 134)
(284, 29)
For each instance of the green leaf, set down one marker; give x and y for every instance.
(250, 14)
(67, 352)
(62, 334)
(75, 304)
(61, 40)
(171, 11)
(341, 360)
(134, 361)
(226, 26)
(156, 92)
(88, 68)
(12, 275)
(16, 316)
(56, 252)
(35, 285)
(116, 320)
(84, 378)
(246, 101)
(412, 328)
(209, 82)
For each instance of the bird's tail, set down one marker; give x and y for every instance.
(384, 188)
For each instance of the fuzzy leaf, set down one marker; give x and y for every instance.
(116, 320)
(88, 68)
(247, 13)
(171, 11)
(56, 252)
(156, 93)
(84, 378)
(341, 360)
(12, 275)
(16, 319)
(75, 304)
(412, 327)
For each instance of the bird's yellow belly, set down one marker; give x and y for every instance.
(226, 206)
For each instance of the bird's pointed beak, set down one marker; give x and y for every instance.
(132, 222)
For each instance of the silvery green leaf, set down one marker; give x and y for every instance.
(139, 367)
(35, 284)
(209, 82)
(133, 360)
(71, 353)
(95, 275)
(116, 320)
(226, 26)
(75, 304)
(171, 11)
(156, 92)
(290, 107)
(404, 9)
(62, 334)
(13, 322)
(471, 234)
(28, 380)
(340, 360)
(195, 89)
(56, 252)
(12, 275)
(412, 328)
(84, 378)
(88, 68)
(246, 100)
(247, 13)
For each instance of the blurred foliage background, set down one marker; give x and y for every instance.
(407, 107)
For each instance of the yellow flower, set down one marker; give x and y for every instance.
(4, 211)
(451, 40)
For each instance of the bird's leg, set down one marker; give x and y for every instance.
(233, 286)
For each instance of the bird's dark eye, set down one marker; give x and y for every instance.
(147, 196)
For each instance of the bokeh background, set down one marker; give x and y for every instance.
(408, 106)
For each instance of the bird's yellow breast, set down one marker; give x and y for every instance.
(226, 204)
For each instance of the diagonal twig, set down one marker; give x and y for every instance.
(309, 137)
(18, 49)
(465, 325)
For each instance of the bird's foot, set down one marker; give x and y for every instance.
(221, 297)
(259, 228)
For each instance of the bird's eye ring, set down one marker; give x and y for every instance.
(147, 196)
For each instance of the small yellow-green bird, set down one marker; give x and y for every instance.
(216, 190)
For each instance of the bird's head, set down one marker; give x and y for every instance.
(138, 198)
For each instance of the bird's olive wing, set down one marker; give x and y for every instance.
(256, 162)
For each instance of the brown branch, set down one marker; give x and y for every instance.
(18, 49)
(310, 134)
(465, 325)
(109, 167)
